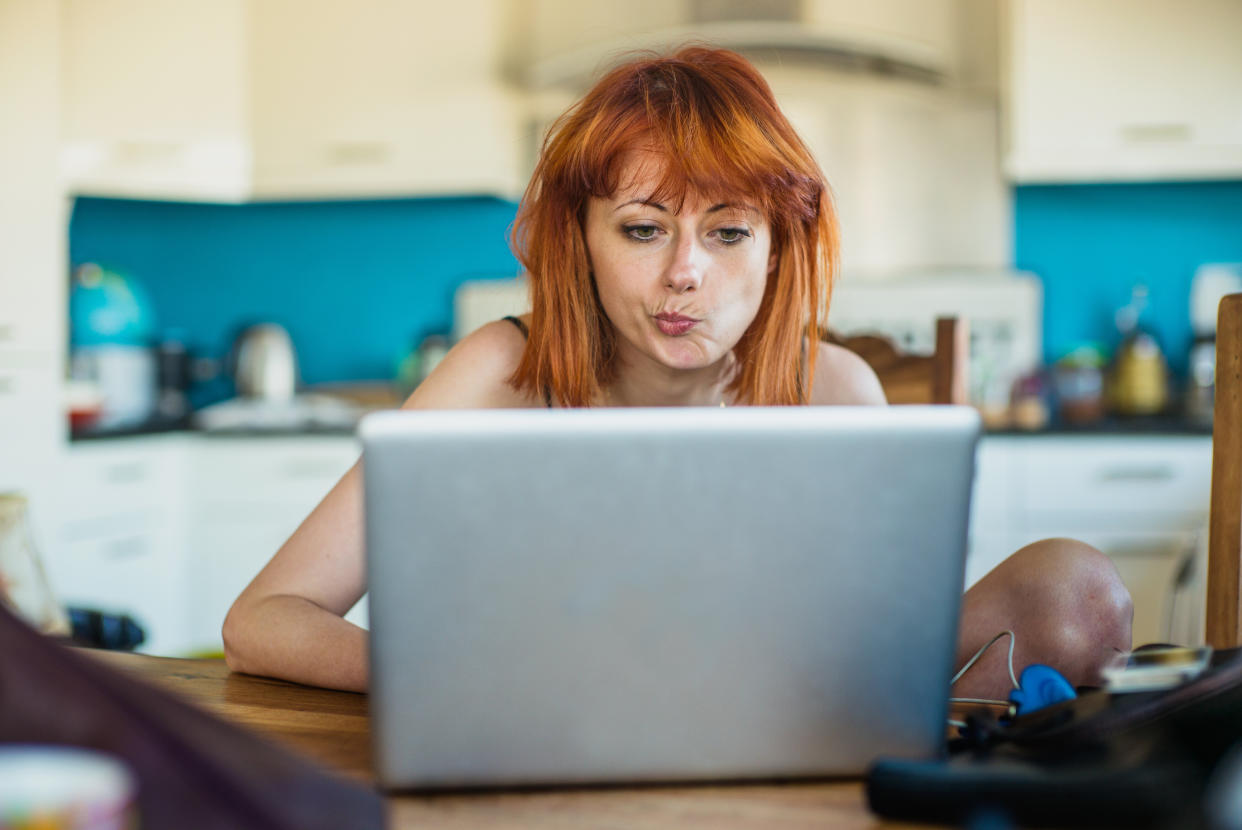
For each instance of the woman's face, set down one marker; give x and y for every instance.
(680, 287)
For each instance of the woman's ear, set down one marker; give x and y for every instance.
(773, 261)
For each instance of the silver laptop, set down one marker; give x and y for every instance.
(626, 595)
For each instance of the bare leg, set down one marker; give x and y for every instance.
(1064, 601)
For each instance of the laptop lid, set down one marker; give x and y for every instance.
(574, 596)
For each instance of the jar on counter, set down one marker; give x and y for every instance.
(1139, 380)
(1078, 382)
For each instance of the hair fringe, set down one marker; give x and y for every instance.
(711, 114)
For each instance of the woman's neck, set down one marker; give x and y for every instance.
(660, 386)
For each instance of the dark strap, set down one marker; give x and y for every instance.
(517, 321)
(547, 393)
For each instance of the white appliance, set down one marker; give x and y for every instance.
(1004, 310)
(125, 377)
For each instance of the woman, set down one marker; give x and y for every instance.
(680, 244)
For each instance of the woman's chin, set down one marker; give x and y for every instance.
(686, 356)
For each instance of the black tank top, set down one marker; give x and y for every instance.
(547, 393)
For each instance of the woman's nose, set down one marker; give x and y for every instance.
(685, 272)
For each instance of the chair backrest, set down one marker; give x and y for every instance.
(940, 377)
(1224, 577)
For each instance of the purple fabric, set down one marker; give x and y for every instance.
(194, 770)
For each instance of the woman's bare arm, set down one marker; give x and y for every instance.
(288, 622)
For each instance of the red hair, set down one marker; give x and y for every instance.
(713, 118)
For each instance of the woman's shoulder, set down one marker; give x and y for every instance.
(843, 378)
(476, 371)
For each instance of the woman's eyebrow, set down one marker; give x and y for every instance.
(648, 202)
(712, 209)
(742, 206)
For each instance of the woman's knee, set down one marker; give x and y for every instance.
(1073, 604)
(1076, 581)
(1065, 601)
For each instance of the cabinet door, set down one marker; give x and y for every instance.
(285, 99)
(154, 98)
(119, 544)
(31, 429)
(1123, 89)
(32, 208)
(992, 509)
(1153, 483)
(381, 97)
(247, 498)
(133, 567)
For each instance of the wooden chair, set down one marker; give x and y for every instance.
(1224, 576)
(940, 377)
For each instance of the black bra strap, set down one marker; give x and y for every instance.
(517, 321)
(547, 393)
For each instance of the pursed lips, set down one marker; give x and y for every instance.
(673, 324)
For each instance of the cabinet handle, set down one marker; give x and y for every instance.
(1153, 473)
(144, 152)
(1156, 133)
(311, 469)
(124, 473)
(8, 385)
(126, 548)
(355, 153)
(8, 332)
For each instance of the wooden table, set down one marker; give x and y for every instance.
(334, 728)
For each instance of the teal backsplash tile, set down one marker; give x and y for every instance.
(1091, 243)
(356, 283)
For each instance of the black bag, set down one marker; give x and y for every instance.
(1148, 759)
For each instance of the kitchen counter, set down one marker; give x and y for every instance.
(140, 431)
(1152, 425)
(1146, 425)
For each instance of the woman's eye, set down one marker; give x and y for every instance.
(731, 235)
(643, 233)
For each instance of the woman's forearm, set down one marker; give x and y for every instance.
(292, 638)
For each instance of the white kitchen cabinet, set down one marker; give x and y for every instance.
(33, 272)
(1124, 90)
(170, 528)
(120, 545)
(246, 496)
(271, 99)
(1143, 500)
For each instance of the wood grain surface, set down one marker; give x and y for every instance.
(1224, 580)
(334, 729)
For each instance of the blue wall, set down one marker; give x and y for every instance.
(358, 284)
(1091, 243)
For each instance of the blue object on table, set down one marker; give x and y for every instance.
(1040, 686)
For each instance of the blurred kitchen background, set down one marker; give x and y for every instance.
(228, 229)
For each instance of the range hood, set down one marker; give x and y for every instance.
(759, 35)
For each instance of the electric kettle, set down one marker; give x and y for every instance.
(264, 363)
